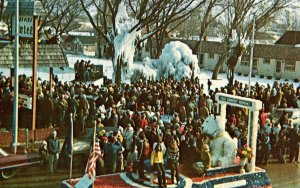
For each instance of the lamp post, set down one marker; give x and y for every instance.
(23, 12)
(16, 80)
(251, 55)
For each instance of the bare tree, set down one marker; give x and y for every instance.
(155, 15)
(208, 15)
(1, 8)
(61, 15)
(238, 19)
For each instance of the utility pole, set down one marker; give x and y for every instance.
(35, 68)
(16, 80)
(251, 55)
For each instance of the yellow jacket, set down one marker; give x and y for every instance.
(157, 157)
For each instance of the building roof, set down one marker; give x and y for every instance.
(280, 52)
(263, 36)
(289, 38)
(48, 55)
(69, 39)
(26, 8)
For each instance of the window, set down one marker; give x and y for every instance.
(211, 55)
(279, 65)
(245, 63)
(267, 61)
(201, 58)
(254, 65)
(290, 66)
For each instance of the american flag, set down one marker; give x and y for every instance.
(94, 155)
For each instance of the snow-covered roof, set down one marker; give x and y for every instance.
(48, 55)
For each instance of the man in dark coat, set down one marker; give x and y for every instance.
(294, 144)
(47, 111)
(111, 150)
(53, 149)
(62, 108)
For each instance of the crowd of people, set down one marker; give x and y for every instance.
(84, 70)
(144, 137)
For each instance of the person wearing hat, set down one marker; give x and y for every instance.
(53, 149)
(43, 151)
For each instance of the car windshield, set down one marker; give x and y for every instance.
(87, 135)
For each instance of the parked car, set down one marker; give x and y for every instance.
(9, 163)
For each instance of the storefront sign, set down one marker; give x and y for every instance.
(25, 26)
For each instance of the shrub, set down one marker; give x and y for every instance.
(253, 75)
(277, 78)
(286, 80)
(269, 77)
(245, 74)
(240, 74)
(296, 80)
(261, 76)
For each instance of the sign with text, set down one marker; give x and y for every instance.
(235, 101)
(25, 26)
(25, 101)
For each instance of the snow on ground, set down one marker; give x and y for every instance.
(68, 73)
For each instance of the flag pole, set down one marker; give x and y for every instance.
(94, 140)
(71, 137)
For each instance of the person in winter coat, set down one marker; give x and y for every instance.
(53, 150)
(294, 144)
(43, 151)
(111, 151)
(282, 143)
(265, 147)
(157, 161)
(62, 108)
(128, 138)
(84, 106)
(143, 148)
(131, 160)
(173, 158)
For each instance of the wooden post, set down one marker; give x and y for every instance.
(51, 79)
(34, 69)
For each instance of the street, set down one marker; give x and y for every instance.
(281, 175)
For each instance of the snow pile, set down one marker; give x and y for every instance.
(124, 40)
(177, 60)
(149, 69)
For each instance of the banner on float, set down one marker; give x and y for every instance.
(25, 101)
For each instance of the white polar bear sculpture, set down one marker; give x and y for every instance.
(222, 147)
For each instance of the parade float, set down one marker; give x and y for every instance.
(228, 171)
